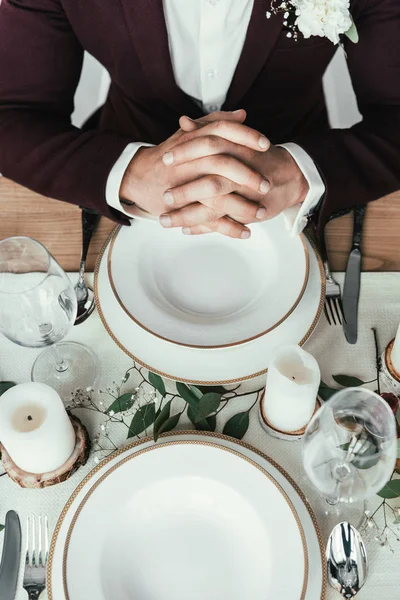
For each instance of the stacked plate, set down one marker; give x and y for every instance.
(207, 309)
(195, 516)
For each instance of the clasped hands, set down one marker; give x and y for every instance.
(214, 174)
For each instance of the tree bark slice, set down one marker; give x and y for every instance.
(77, 459)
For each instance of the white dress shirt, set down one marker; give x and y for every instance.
(206, 38)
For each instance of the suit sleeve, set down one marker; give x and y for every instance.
(362, 163)
(40, 67)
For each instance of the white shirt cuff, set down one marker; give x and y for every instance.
(296, 216)
(116, 175)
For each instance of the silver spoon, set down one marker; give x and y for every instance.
(85, 295)
(346, 560)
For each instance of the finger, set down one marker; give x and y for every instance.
(207, 145)
(188, 124)
(235, 132)
(192, 214)
(224, 174)
(229, 204)
(223, 225)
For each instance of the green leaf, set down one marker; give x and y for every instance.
(325, 392)
(391, 490)
(162, 418)
(158, 383)
(6, 385)
(237, 425)
(215, 389)
(207, 406)
(168, 425)
(352, 32)
(2, 527)
(187, 395)
(142, 419)
(121, 404)
(208, 424)
(196, 391)
(348, 380)
(345, 446)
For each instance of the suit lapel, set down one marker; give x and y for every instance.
(262, 34)
(148, 31)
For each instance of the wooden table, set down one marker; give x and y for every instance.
(57, 225)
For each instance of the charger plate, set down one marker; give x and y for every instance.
(218, 365)
(63, 539)
(207, 291)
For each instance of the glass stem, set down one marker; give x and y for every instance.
(61, 364)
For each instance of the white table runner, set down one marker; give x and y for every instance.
(379, 307)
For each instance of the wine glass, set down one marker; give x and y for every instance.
(349, 451)
(38, 308)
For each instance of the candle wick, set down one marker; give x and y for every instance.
(293, 377)
(30, 418)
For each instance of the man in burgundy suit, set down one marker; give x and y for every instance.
(200, 171)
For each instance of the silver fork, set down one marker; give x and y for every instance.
(333, 301)
(37, 551)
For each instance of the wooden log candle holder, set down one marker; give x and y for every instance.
(77, 459)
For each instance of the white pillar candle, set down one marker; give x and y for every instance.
(293, 379)
(395, 356)
(35, 428)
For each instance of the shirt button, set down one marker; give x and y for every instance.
(212, 74)
(213, 108)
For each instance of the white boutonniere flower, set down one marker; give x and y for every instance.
(324, 18)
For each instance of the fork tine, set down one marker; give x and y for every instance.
(326, 312)
(46, 540)
(27, 541)
(33, 527)
(342, 311)
(339, 310)
(332, 309)
(40, 537)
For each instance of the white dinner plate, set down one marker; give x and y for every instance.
(60, 569)
(218, 365)
(208, 290)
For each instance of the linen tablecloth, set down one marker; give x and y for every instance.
(379, 307)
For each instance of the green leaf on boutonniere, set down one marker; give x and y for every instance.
(352, 32)
(237, 425)
(158, 383)
(391, 490)
(208, 424)
(6, 385)
(208, 404)
(187, 395)
(1, 527)
(347, 380)
(121, 404)
(325, 392)
(142, 419)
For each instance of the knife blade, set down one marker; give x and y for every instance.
(351, 288)
(9, 566)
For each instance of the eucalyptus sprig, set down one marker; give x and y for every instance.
(151, 405)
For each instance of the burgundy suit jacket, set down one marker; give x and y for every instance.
(277, 80)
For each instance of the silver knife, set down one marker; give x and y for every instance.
(9, 566)
(351, 288)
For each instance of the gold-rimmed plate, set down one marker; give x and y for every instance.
(215, 523)
(315, 584)
(195, 365)
(207, 291)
